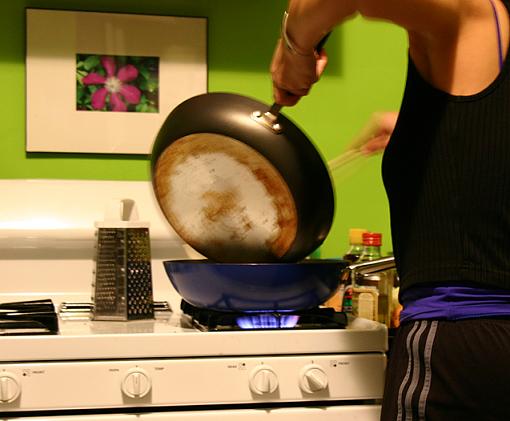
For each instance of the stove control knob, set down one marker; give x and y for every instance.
(263, 380)
(313, 378)
(9, 387)
(136, 383)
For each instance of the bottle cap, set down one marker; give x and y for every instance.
(356, 235)
(372, 238)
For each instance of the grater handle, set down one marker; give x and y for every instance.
(121, 213)
(121, 210)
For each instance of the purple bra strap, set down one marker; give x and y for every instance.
(498, 29)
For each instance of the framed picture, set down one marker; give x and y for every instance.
(105, 82)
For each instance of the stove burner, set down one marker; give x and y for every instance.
(37, 317)
(268, 321)
(211, 320)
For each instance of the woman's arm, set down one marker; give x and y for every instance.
(444, 35)
(296, 63)
(310, 20)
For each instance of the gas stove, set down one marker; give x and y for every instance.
(164, 363)
(181, 363)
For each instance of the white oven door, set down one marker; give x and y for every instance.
(330, 413)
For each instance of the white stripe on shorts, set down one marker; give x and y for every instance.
(414, 372)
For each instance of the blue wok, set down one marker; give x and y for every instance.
(251, 287)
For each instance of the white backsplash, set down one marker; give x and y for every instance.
(49, 224)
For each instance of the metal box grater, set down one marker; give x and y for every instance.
(123, 278)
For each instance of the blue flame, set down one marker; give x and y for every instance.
(267, 321)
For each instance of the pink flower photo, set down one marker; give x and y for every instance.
(117, 83)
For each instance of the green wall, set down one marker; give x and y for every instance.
(366, 74)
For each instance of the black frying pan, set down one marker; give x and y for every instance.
(240, 182)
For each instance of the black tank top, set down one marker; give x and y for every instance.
(446, 171)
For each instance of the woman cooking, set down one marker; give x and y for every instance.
(447, 176)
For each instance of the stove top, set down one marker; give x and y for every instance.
(168, 335)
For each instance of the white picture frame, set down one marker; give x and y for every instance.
(58, 42)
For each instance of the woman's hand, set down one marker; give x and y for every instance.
(294, 73)
(376, 134)
(372, 139)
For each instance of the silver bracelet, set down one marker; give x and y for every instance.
(286, 40)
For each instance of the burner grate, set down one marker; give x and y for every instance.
(216, 321)
(37, 317)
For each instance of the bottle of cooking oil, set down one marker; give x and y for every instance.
(355, 245)
(341, 301)
(371, 246)
(370, 293)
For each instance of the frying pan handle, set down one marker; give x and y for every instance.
(270, 117)
(275, 110)
(321, 43)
